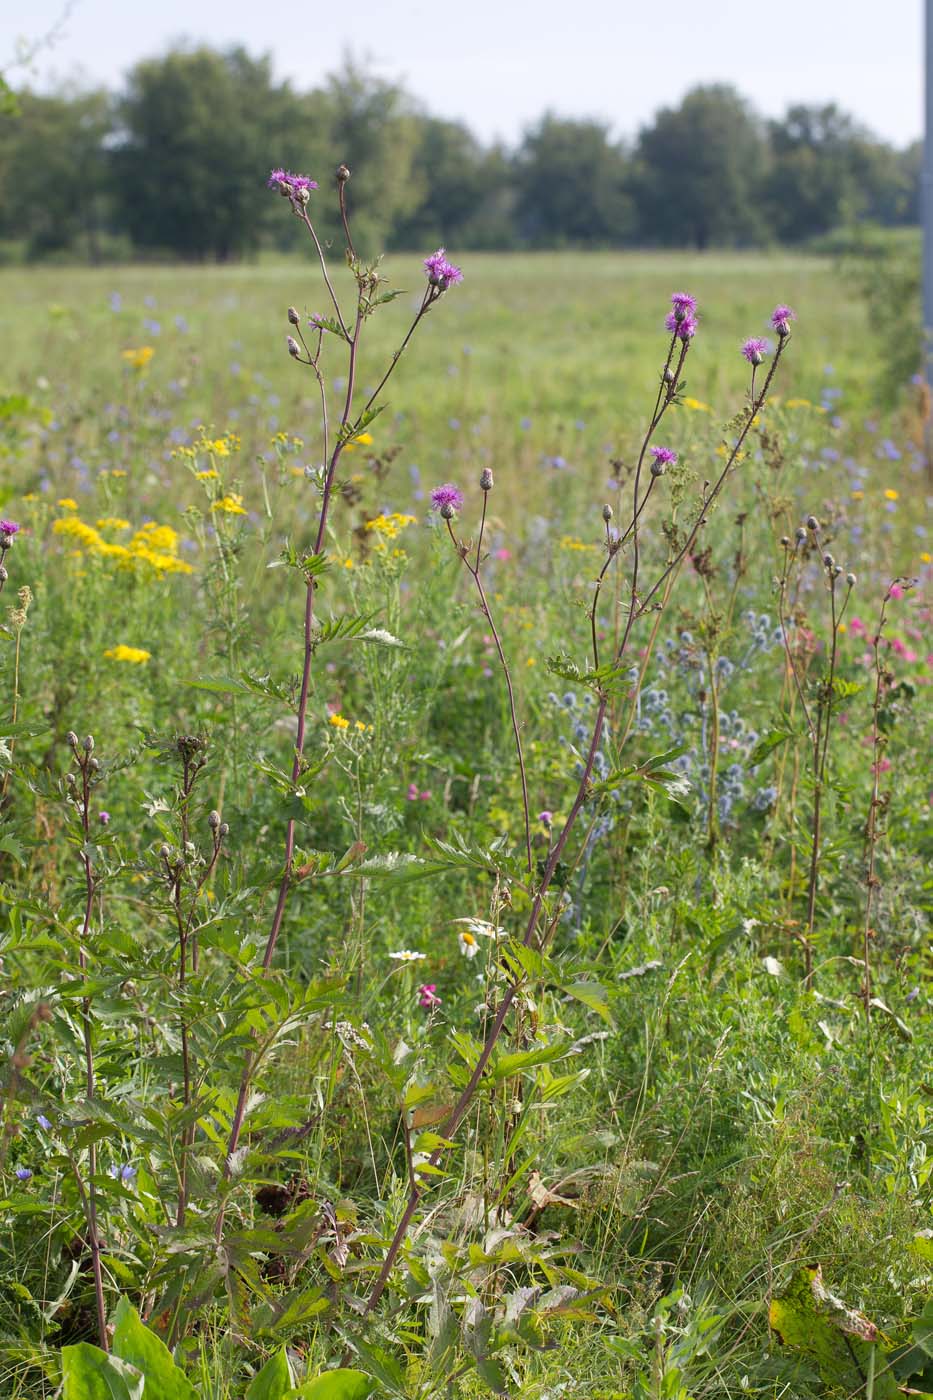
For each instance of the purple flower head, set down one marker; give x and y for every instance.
(781, 318)
(23, 1174)
(684, 305)
(663, 458)
(684, 328)
(546, 818)
(128, 1174)
(441, 273)
(446, 495)
(427, 995)
(9, 528)
(287, 183)
(755, 349)
(103, 818)
(43, 1122)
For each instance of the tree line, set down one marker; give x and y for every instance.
(173, 164)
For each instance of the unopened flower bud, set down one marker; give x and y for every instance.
(800, 535)
(343, 174)
(485, 479)
(837, 570)
(447, 511)
(812, 523)
(785, 541)
(223, 830)
(293, 316)
(165, 851)
(607, 513)
(213, 821)
(88, 744)
(3, 574)
(5, 540)
(71, 739)
(828, 560)
(94, 765)
(851, 580)
(668, 375)
(294, 349)
(70, 779)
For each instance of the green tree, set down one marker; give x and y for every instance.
(571, 185)
(199, 131)
(698, 167)
(55, 185)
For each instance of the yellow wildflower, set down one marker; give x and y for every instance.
(140, 357)
(117, 471)
(231, 504)
(158, 537)
(858, 495)
(67, 503)
(389, 525)
(362, 727)
(135, 655)
(696, 405)
(571, 542)
(798, 403)
(925, 557)
(30, 496)
(890, 494)
(360, 440)
(112, 522)
(209, 475)
(339, 722)
(78, 530)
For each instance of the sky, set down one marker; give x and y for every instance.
(498, 64)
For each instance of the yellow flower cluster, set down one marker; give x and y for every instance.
(134, 655)
(696, 405)
(571, 542)
(139, 357)
(208, 446)
(155, 546)
(231, 504)
(340, 722)
(389, 526)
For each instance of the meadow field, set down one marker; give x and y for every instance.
(589, 1053)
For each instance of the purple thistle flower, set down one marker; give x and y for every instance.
(546, 818)
(446, 495)
(781, 318)
(685, 328)
(440, 272)
(684, 305)
(23, 1174)
(755, 349)
(287, 183)
(9, 527)
(663, 458)
(103, 818)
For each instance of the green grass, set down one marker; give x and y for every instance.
(694, 1125)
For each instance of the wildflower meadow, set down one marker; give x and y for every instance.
(466, 828)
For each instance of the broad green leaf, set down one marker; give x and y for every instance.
(90, 1374)
(342, 1384)
(840, 1340)
(138, 1344)
(274, 1380)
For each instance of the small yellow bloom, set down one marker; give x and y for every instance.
(135, 655)
(798, 403)
(841, 627)
(30, 497)
(696, 405)
(112, 522)
(530, 661)
(140, 357)
(67, 503)
(361, 440)
(231, 504)
(890, 495)
(118, 471)
(339, 722)
(858, 495)
(925, 557)
(361, 727)
(209, 475)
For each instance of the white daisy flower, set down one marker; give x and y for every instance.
(407, 955)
